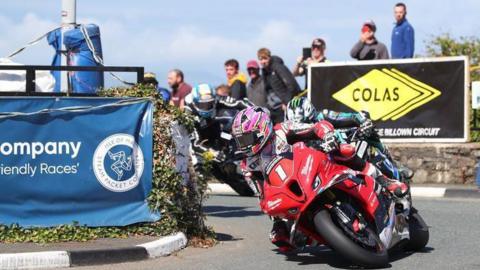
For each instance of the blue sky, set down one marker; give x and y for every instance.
(198, 36)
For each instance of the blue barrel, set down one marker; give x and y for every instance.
(79, 54)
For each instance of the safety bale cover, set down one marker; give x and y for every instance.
(66, 160)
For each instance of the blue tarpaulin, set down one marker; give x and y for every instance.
(79, 54)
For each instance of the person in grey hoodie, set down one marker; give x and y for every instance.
(368, 47)
(256, 87)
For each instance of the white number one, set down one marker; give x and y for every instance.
(281, 173)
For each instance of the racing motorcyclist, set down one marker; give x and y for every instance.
(300, 109)
(257, 138)
(211, 113)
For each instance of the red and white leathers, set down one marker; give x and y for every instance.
(284, 136)
(289, 132)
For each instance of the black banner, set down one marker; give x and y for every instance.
(410, 100)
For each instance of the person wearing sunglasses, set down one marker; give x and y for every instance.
(317, 56)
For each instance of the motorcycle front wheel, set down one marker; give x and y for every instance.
(338, 240)
(419, 233)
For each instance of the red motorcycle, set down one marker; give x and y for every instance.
(327, 203)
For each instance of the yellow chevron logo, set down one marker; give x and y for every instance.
(386, 94)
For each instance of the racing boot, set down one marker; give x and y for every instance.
(280, 236)
(399, 191)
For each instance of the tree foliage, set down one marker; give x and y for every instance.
(446, 45)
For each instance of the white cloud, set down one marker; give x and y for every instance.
(194, 49)
(193, 44)
(191, 48)
(160, 43)
(17, 34)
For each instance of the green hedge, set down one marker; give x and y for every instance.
(179, 205)
(474, 134)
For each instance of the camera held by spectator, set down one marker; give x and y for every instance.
(314, 54)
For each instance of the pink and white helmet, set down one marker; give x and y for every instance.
(252, 128)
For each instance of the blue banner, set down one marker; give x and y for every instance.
(85, 160)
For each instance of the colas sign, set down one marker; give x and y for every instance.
(387, 94)
(421, 99)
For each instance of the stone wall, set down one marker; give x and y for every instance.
(439, 163)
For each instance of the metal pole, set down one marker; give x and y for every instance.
(69, 20)
(30, 81)
(140, 74)
(69, 12)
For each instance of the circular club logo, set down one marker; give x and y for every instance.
(118, 163)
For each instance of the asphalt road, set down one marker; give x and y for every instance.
(243, 231)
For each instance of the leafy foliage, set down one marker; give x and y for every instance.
(178, 202)
(445, 45)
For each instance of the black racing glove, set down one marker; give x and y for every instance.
(366, 128)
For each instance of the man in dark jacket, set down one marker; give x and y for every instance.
(236, 80)
(403, 41)
(280, 84)
(368, 47)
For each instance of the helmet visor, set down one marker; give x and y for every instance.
(246, 140)
(205, 105)
(295, 115)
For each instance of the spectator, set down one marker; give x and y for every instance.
(236, 80)
(256, 87)
(150, 78)
(280, 84)
(368, 47)
(402, 34)
(179, 88)
(317, 56)
(222, 90)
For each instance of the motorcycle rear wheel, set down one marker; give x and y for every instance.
(341, 243)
